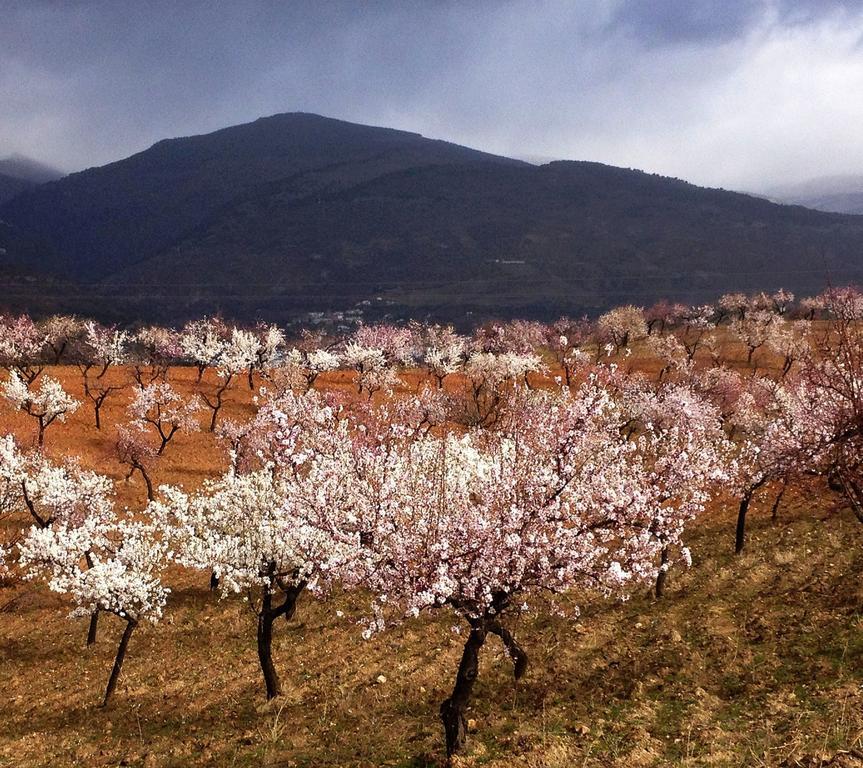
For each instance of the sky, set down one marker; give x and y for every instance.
(743, 94)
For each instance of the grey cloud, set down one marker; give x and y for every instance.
(674, 86)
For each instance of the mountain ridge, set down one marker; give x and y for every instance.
(296, 213)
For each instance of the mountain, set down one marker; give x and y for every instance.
(10, 186)
(19, 173)
(839, 194)
(27, 169)
(297, 213)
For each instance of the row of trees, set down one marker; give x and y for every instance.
(673, 333)
(27, 346)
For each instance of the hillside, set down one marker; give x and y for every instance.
(296, 212)
(11, 186)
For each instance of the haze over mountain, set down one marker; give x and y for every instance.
(297, 212)
(26, 169)
(18, 173)
(840, 194)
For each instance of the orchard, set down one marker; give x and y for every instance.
(396, 476)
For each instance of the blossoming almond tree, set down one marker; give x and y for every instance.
(12, 468)
(397, 345)
(137, 454)
(565, 338)
(238, 355)
(302, 366)
(156, 349)
(374, 370)
(790, 340)
(828, 399)
(443, 351)
(68, 496)
(622, 325)
(490, 378)
(161, 407)
(124, 563)
(687, 457)
(479, 523)
(270, 340)
(754, 330)
(203, 342)
(63, 495)
(61, 333)
(49, 403)
(696, 323)
(100, 348)
(22, 344)
(272, 533)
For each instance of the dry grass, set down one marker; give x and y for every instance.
(754, 660)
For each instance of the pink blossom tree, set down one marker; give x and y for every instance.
(61, 333)
(239, 354)
(276, 532)
(133, 450)
(156, 349)
(373, 368)
(443, 351)
(22, 345)
(565, 339)
(695, 326)
(490, 379)
(63, 495)
(162, 408)
(753, 330)
(557, 501)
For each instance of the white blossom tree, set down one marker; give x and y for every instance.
(125, 559)
(47, 404)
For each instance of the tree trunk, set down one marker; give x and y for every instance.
(452, 710)
(515, 651)
(148, 483)
(94, 625)
(265, 645)
(740, 538)
(118, 661)
(662, 575)
(774, 512)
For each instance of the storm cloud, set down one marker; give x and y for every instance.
(743, 94)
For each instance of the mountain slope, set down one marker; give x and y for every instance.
(105, 218)
(11, 186)
(297, 212)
